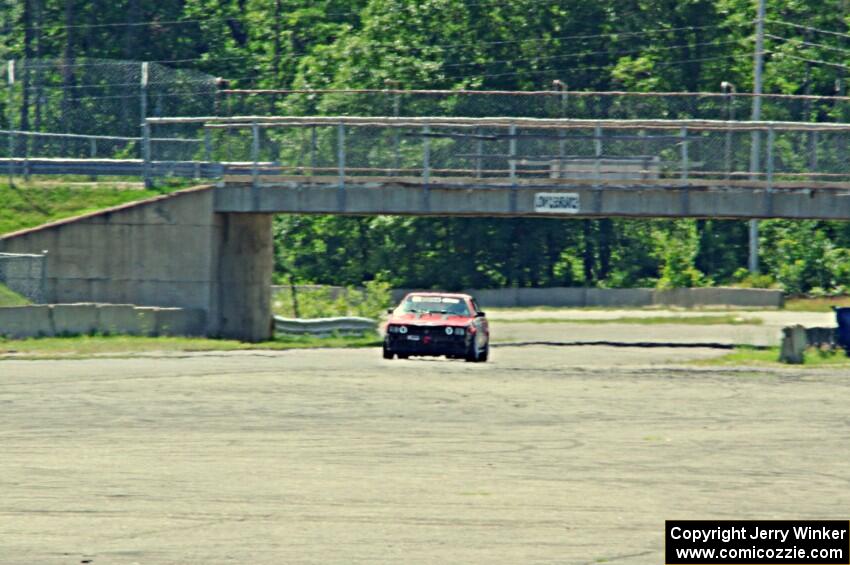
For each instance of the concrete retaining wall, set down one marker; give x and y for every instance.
(24, 274)
(82, 319)
(719, 296)
(159, 252)
(169, 251)
(622, 297)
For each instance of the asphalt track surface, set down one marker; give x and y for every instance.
(567, 455)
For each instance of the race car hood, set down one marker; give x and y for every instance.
(416, 319)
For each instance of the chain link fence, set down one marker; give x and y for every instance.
(94, 109)
(541, 104)
(87, 108)
(435, 149)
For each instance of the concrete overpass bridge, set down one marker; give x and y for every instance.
(526, 166)
(211, 248)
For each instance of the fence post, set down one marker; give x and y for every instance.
(340, 154)
(396, 134)
(685, 162)
(146, 127)
(314, 148)
(479, 149)
(255, 154)
(512, 152)
(92, 154)
(562, 153)
(813, 157)
(512, 165)
(340, 160)
(565, 98)
(10, 83)
(207, 145)
(146, 153)
(426, 165)
(770, 142)
(26, 158)
(597, 150)
(143, 92)
(646, 159)
(426, 155)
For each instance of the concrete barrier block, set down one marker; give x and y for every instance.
(495, 297)
(672, 297)
(793, 345)
(26, 321)
(180, 321)
(618, 297)
(146, 318)
(553, 296)
(748, 297)
(75, 319)
(118, 319)
(719, 296)
(577, 297)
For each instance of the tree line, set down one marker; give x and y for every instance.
(636, 45)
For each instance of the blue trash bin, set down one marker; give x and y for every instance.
(842, 318)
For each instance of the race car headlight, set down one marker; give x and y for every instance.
(459, 331)
(402, 329)
(392, 329)
(450, 330)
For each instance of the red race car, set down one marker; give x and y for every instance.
(437, 323)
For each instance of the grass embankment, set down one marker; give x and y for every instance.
(769, 357)
(645, 320)
(10, 298)
(117, 346)
(38, 202)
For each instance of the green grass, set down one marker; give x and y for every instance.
(648, 309)
(821, 304)
(770, 357)
(116, 346)
(38, 202)
(646, 320)
(9, 297)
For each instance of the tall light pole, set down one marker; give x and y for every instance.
(755, 146)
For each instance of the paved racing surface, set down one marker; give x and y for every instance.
(545, 455)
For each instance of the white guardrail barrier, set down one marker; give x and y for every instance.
(325, 326)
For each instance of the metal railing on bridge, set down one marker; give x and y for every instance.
(478, 151)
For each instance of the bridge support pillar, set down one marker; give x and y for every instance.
(246, 261)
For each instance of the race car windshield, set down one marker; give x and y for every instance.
(435, 305)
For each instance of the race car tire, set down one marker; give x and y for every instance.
(473, 354)
(482, 357)
(387, 353)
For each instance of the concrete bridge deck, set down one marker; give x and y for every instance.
(459, 196)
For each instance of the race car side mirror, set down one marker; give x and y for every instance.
(480, 314)
(390, 310)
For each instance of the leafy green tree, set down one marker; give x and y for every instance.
(677, 247)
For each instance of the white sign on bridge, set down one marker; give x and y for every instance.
(556, 202)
